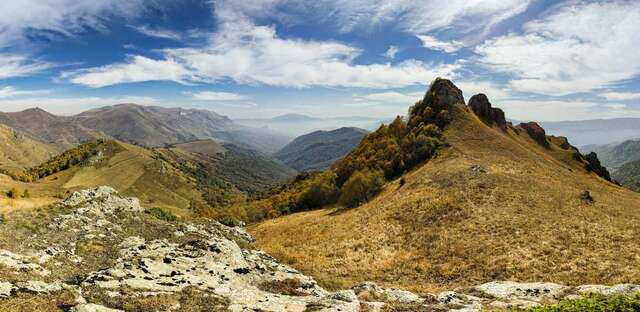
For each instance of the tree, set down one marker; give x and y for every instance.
(321, 192)
(361, 187)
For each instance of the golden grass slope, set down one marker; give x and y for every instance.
(494, 205)
(18, 151)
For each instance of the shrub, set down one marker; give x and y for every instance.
(321, 192)
(26, 194)
(230, 221)
(3, 219)
(162, 214)
(360, 188)
(13, 193)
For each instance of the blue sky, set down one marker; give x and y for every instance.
(537, 59)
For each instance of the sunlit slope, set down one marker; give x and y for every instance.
(17, 150)
(493, 205)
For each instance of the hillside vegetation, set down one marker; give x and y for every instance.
(319, 150)
(494, 202)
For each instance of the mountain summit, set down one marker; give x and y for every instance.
(461, 199)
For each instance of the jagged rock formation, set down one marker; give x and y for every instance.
(481, 106)
(593, 165)
(536, 132)
(203, 266)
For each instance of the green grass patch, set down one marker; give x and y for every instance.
(162, 214)
(595, 303)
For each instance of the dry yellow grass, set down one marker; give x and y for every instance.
(451, 225)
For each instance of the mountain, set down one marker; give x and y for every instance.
(597, 131)
(628, 175)
(18, 150)
(615, 155)
(453, 196)
(189, 178)
(320, 149)
(293, 118)
(60, 131)
(149, 126)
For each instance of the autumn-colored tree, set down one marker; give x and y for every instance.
(360, 188)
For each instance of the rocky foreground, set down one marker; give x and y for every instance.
(100, 252)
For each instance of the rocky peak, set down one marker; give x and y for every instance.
(536, 132)
(481, 106)
(593, 165)
(437, 105)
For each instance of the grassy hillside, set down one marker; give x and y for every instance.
(18, 150)
(492, 204)
(319, 150)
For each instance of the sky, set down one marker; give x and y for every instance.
(537, 59)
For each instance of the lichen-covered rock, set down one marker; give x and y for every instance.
(527, 291)
(90, 307)
(372, 292)
(5, 289)
(620, 289)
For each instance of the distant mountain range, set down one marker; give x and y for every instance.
(597, 131)
(300, 124)
(149, 126)
(320, 149)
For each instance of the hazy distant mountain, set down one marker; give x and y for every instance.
(629, 175)
(293, 118)
(61, 131)
(614, 155)
(598, 131)
(295, 125)
(320, 149)
(149, 126)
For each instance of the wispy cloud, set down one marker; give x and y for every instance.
(433, 43)
(158, 33)
(9, 92)
(621, 96)
(212, 96)
(578, 48)
(13, 65)
(391, 52)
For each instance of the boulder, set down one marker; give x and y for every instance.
(620, 289)
(6, 289)
(526, 291)
(481, 106)
(536, 132)
(90, 307)
(593, 165)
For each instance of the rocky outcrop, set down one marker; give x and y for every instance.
(481, 106)
(437, 105)
(215, 264)
(593, 165)
(536, 132)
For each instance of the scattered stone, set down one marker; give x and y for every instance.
(6, 289)
(586, 197)
(20, 263)
(90, 307)
(372, 292)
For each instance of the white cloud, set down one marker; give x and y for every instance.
(250, 54)
(494, 92)
(391, 52)
(71, 105)
(158, 33)
(433, 43)
(556, 110)
(406, 99)
(621, 96)
(20, 65)
(9, 92)
(136, 69)
(65, 17)
(217, 96)
(578, 48)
